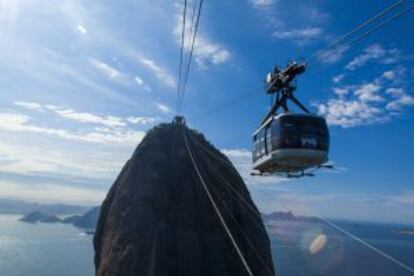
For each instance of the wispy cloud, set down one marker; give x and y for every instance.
(21, 123)
(106, 69)
(302, 35)
(30, 105)
(350, 113)
(161, 73)
(400, 99)
(299, 25)
(48, 193)
(164, 108)
(262, 3)
(142, 83)
(84, 117)
(367, 103)
(206, 51)
(87, 117)
(374, 52)
(82, 29)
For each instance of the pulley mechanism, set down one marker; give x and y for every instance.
(280, 82)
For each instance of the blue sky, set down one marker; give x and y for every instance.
(82, 81)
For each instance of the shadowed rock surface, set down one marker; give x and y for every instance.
(157, 219)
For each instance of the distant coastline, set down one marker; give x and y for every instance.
(409, 232)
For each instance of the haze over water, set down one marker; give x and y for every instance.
(62, 250)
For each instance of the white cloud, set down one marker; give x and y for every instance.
(206, 52)
(82, 29)
(141, 120)
(30, 105)
(47, 158)
(164, 108)
(262, 3)
(142, 83)
(374, 52)
(395, 92)
(22, 123)
(299, 24)
(369, 92)
(341, 91)
(159, 72)
(139, 80)
(84, 117)
(106, 69)
(338, 78)
(400, 102)
(350, 113)
(390, 75)
(377, 101)
(301, 35)
(51, 193)
(334, 55)
(367, 103)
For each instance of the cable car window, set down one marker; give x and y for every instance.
(254, 148)
(268, 138)
(275, 127)
(262, 142)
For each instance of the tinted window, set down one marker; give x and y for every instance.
(303, 132)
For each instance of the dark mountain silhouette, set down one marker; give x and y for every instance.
(158, 220)
(280, 216)
(70, 219)
(85, 221)
(289, 216)
(37, 216)
(89, 219)
(10, 206)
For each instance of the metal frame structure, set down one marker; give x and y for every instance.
(280, 82)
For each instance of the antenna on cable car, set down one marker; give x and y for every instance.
(280, 82)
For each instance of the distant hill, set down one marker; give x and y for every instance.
(37, 216)
(288, 216)
(280, 216)
(89, 219)
(71, 219)
(86, 221)
(8, 206)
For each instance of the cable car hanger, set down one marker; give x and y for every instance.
(280, 82)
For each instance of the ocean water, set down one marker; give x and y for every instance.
(299, 248)
(43, 249)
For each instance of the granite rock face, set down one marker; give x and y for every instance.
(158, 221)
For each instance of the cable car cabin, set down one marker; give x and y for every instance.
(289, 143)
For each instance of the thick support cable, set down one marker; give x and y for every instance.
(180, 68)
(322, 53)
(187, 69)
(226, 207)
(216, 209)
(363, 35)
